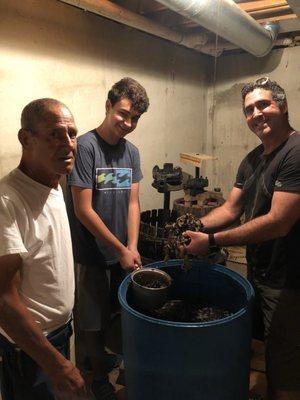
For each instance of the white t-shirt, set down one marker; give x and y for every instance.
(34, 224)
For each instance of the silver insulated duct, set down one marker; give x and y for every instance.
(225, 18)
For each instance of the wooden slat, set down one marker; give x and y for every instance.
(277, 18)
(195, 158)
(262, 5)
(188, 24)
(271, 12)
(237, 254)
(150, 7)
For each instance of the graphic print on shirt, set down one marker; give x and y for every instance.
(113, 178)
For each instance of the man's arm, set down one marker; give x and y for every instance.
(284, 213)
(82, 200)
(17, 322)
(226, 214)
(133, 222)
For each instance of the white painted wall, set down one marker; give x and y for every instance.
(50, 49)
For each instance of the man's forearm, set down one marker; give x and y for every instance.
(225, 215)
(133, 225)
(82, 200)
(281, 218)
(94, 224)
(18, 323)
(219, 218)
(258, 230)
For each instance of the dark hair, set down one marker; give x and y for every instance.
(277, 91)
(130, 89)
(36, 110)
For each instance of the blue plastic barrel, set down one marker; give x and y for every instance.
(190, 361)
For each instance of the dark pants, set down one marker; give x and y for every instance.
(21, 378)
(95, 301)
(277, 321)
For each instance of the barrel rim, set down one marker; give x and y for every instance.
(216, 267)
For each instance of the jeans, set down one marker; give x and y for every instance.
(21, 378)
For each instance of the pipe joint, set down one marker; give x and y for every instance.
(272, 28)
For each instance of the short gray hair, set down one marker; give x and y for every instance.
(36, 110)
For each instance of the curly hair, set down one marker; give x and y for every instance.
(277, 91)
(130, 89)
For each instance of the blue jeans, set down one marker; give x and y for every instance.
(21, 378)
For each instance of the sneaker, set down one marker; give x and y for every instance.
(112, 360)
(121, 377)
(103, 390)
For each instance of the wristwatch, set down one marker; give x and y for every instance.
(212, 244)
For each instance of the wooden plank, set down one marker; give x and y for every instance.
(271, 12)
(237, 254)
(277, 18)
(150, 7)
(262, 5)
(195, 158)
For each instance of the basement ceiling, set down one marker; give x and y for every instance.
(284, 12)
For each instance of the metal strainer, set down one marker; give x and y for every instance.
(150, 287)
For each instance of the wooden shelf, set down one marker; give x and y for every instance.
(195, 158)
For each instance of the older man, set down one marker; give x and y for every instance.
(267, 190)
(36, 264)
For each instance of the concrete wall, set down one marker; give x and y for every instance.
(227, 135)
(50, 49)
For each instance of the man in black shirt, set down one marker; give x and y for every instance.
(267, 191)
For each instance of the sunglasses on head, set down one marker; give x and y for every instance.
(262, 81)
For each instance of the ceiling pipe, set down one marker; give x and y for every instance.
(116, 13)
(210, 47)
(228, 20)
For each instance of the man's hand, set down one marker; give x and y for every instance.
(129, 260)
(67, 381)
(136, 254)
(18, 323)
(198, 244)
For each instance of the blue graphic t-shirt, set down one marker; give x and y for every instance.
(113, 178)
(109, 171)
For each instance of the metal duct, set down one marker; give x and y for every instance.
(116, 13)
(225, 18)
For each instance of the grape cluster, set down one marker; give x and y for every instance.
(176, 241)
(183, 311)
